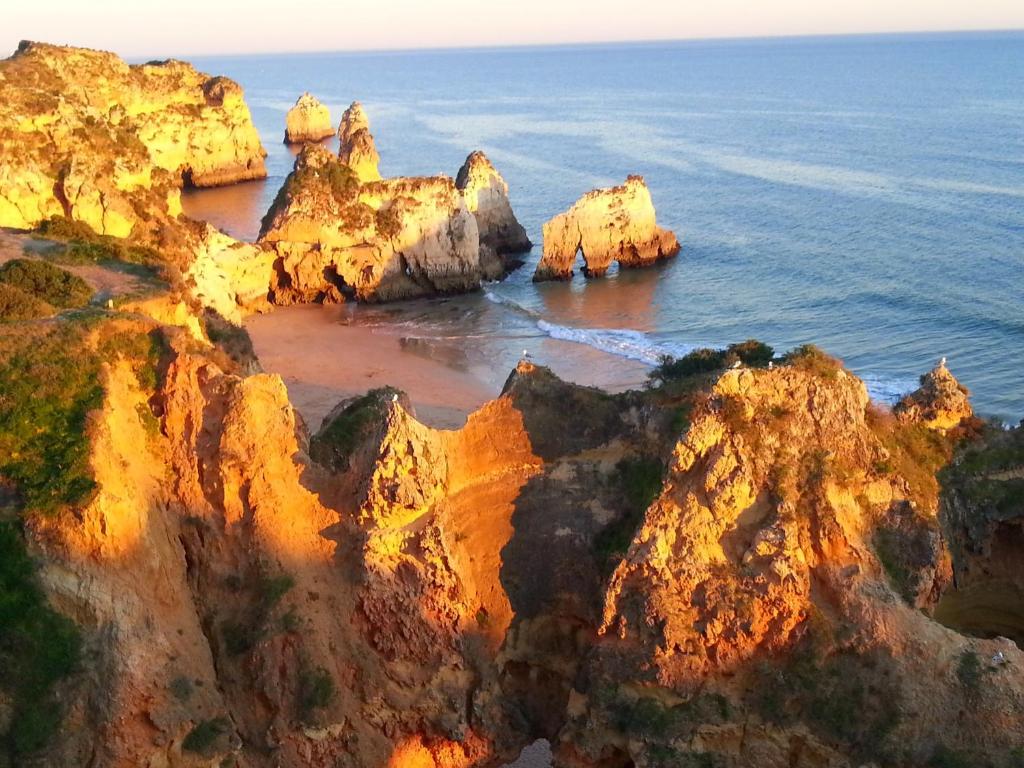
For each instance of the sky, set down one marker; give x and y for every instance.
(150, 29)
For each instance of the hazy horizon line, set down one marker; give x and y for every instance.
(566, 44)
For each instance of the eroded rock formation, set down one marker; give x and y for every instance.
(356, 148)
(486, 195)
(378, 240)
(605, 225)
(941, 402)
(308, 120)
(388, 594)
(87, 137)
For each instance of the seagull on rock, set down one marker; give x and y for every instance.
(526, 354)
(394, 398)
(736, 365)
(942, 362)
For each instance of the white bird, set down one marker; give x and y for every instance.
(942, 362)
(770, 365)
(737, 364)
(999, 658)
(394, 398)
(526, 354)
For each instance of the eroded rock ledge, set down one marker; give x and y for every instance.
(605, 225)
(340, 230)
(486, 195)
(308, 120)
(85, 136)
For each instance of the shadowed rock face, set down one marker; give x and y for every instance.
(377, 241)
(486, 195)
(606, 225)
(388, 594)
(86, 136)
(356, 148)
(308, 120)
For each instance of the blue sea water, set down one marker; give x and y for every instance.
(862, 193)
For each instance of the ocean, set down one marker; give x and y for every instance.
(862, 193)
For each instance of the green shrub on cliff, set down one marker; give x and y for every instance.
(16, 304)
(46, 282)
(639, 481)
(38, 648)
(810, 358)
(49, 382)
(751, 353)
(341, 434)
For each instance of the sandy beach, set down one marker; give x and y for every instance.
(324, 356)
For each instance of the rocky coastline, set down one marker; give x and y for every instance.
(746, 563)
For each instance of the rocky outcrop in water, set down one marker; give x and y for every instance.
(87, 137)
(486, 195)
(308, 120)
(356, 147)
(605, 225)
(941, 402)
(376, 241)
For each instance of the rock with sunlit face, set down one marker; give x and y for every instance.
(605, 225)
(941, 402)
(308, 120)
(356, 147)
(87, 137)
(486, 195)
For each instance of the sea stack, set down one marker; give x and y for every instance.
(357, 149)
(941, 402)
(383, 240)
(605, 225)
(486, 195)
(308, 120)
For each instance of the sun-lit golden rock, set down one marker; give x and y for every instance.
(605, 225)
(486, 195)
(941, 402)
(308, 120)
(83, 135)
(356, 148)
(377, 241)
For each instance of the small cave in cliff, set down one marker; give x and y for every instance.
(987, 599)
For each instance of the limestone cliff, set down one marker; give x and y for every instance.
(308, 120)
(736, 567)
(486, 195)
(87, 137)
(605, 225)
(356, 148)
(377, 240)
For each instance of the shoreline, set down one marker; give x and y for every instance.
(326, 354)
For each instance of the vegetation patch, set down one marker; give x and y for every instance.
(333, 445)
(205, 735)
(38, 648)
(844, 696)
(46, 282)
(639, 481)
(16, 304)
(49, 383)
(809, 358)
(316, 691)
(751, 353)
(241, 636)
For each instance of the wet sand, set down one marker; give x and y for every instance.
(324, 356)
